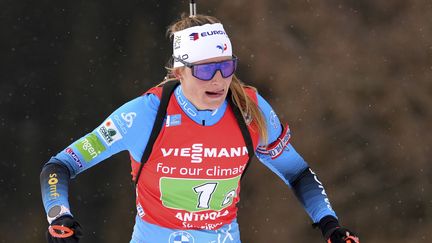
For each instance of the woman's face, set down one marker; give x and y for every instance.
(204, 95)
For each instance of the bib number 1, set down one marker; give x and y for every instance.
(205, 192)
(196, 195)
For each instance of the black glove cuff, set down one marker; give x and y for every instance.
(70, 222)
(328, 225)
(60, 220)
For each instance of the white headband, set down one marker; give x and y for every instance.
(201, 42)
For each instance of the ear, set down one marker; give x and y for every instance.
(177, 73)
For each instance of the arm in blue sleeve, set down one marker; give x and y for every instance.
(127, 128)
(285, 162)
(311, 193)
(54, 181)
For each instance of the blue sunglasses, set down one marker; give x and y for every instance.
(206, 71)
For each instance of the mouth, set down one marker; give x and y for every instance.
(215, 94)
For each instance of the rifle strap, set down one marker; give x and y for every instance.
(167, 90)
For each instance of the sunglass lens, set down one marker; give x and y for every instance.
(204, 71)
(228, 68)
(207, 71)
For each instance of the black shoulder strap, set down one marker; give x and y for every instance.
(244, 130)
(167, 90)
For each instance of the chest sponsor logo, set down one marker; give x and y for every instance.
(109, 132)
(197, 152)
(173, 120)
(191, 216)
(90, 147)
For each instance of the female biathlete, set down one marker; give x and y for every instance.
(189, 150)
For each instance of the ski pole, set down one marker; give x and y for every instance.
(192, 8)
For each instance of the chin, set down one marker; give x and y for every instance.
(213, 105)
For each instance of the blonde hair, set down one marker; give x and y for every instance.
(250, 110)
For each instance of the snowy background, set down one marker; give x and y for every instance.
(352, 78)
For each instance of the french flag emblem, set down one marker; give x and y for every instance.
(223, 47)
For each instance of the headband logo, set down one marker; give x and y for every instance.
(194, 36)
(213, 32)
(223, 47)
(177, 41)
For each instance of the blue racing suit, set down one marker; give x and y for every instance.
(129, 128)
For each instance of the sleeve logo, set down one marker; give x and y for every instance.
(74, 157)
(109, 132)
(90, 147)
(128, 118)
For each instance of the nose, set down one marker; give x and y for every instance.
(217, 77)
